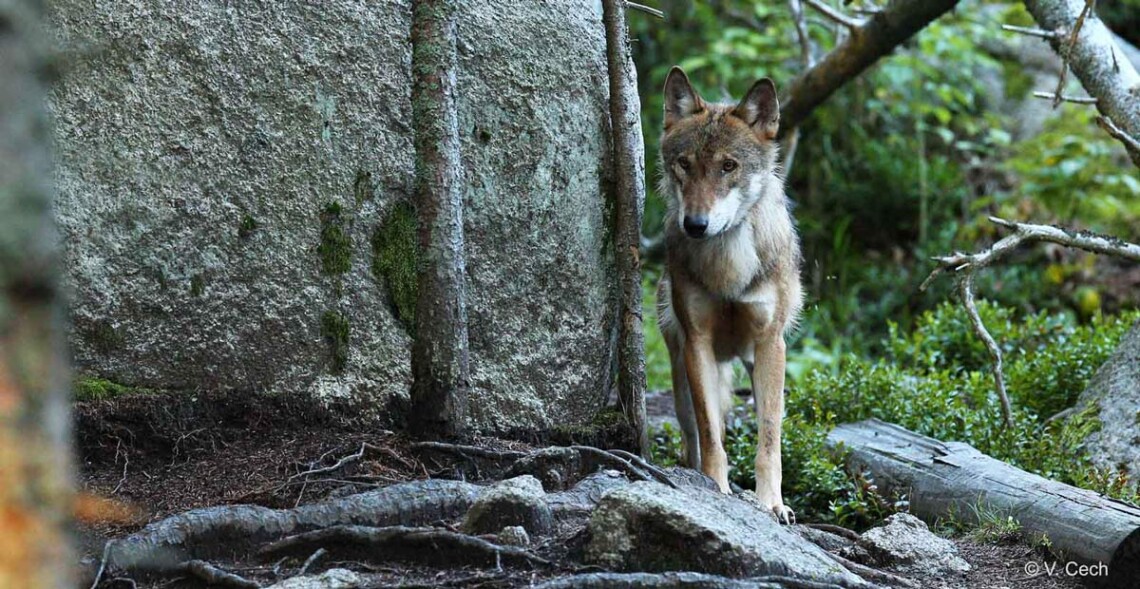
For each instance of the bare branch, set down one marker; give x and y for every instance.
(877, 36)
(1092, 57)
(1058, 98)
(1030, 31)
(966, 290)
(966, 265)
(645, 9)
(1065, 55)
(835, 15)
(807, 61)
(1130, 143)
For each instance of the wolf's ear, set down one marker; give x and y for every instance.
(760, 108)
(680, 99)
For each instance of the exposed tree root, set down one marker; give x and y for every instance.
(872, 574)
(213, 575)
(677, 581)
(163, 546)
(431, 546)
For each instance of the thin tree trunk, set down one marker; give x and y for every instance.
(874, 38)
(629, 202)
(35, 465)
(1102, 67)
(440, 352)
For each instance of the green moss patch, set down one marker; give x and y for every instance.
(98, 389)
(395, 258)
(335, 249)
(247, 226)
(335, 328)
(197, 285)
(362, 187)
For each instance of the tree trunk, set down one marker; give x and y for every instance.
(440, 371)
(876, 37)
(952, 478)
(629, 202)
(1102, 67)
(35, 465)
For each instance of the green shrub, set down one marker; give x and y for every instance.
(935, 381)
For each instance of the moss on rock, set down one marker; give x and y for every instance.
(335, 328)
(335, 249)
(395, 259)
(98, 389)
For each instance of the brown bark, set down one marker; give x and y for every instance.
(629, 203)
(441, 378)
(943, 479)
(874, 38)
(35, 482)
(1102, 67)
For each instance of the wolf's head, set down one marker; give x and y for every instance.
(717, 158)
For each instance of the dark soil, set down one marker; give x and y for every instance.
(156, 457)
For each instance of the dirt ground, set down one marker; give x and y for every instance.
(156, 459)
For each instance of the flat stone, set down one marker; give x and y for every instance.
(904, 543)
(647, 526)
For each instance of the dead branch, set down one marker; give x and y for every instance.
(629, 204)
(966, 265)
(213, 575)
(873, 38)
(1043, 34)
(834, 15)
(1059, 98)
(469, 451)
(807, 60)
(1091, 55)
(658, 474)
(645, 9)
(405, 544)
(1057, 95)
(1130, 143)
(837, 530)
(313, 558)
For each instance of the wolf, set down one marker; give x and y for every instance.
(731, 288)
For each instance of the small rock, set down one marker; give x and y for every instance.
(514, 502)
(330, 579)
(647, 526)
(514, 536)
(906, 545)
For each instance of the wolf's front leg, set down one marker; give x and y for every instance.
(704, 380)
(768, 392)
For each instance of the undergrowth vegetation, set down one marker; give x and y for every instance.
(935, 380)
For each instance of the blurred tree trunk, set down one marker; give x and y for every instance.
(629, 201)
(440, 371)
(35, 484)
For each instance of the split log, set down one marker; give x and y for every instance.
(952, 478)
(866, 43)
(629, 203)
(35, 427)
(440, 355)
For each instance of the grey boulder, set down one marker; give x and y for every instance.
(904, 543)
(514, 502)
(647, 526)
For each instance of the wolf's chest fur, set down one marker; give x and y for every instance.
(738, 262)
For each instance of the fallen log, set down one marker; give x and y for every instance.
(953, 478)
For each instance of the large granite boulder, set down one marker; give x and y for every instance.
(233, 184)
(1115, 391)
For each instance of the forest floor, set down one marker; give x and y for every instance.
(157, 459)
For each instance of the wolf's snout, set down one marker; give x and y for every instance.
(696, 225)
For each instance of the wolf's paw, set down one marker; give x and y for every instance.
(783, 514)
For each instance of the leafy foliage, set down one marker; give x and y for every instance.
(936, 382)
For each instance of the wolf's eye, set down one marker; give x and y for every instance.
(684, 163)
(728, 165)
